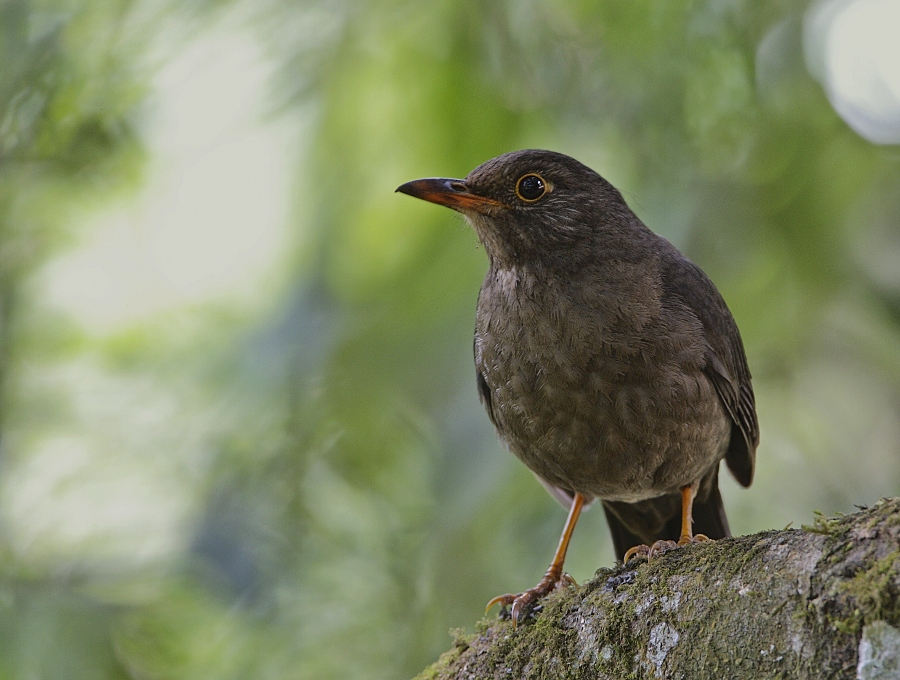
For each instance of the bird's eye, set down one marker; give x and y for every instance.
(531, 187)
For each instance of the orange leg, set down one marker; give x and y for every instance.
(688, 493)
(554, 576)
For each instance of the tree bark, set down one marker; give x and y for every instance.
(818, 602)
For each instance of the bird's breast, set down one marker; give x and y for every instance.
(592, 397)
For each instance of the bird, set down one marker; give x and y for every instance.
(607, 361)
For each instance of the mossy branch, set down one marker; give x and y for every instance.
(818, 602)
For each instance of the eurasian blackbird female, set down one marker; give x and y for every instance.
(608, 362)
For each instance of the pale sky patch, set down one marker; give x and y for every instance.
(210, 223)
(853, 48)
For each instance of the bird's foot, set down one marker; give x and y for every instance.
(523, 603)
(642, 550)
(662, 547)
(698, 538)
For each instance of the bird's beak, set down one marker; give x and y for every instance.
(452, 193)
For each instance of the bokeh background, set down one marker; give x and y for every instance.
(240, 431)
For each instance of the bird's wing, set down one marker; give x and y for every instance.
(726, 364)
(484, 394)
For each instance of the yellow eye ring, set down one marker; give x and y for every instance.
(531, 187)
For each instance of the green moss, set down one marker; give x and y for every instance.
(482, 625)
(849, 590)
(823, 525)
(871, 595)
(439, 668)
(462, 640)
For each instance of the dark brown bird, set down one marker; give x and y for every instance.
(608, 362)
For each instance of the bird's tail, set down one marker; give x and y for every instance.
(659, 518)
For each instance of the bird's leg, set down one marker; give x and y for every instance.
(554, 577)
(688, 493)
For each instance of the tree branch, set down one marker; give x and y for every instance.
(818, 602)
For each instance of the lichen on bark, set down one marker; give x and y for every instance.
(778, 604)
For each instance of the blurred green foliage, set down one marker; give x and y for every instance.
(342, 500)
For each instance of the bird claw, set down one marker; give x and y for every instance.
(639, 551)
(525, 604)
(662, 547)
(697, 538)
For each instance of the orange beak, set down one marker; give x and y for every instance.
(452, 193)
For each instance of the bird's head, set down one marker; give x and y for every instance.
(529, 205)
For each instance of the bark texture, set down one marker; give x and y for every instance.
(818, 602)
